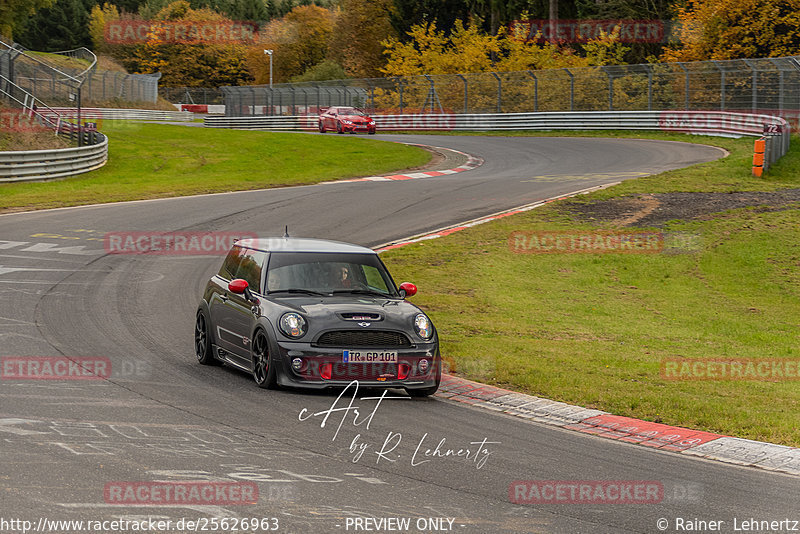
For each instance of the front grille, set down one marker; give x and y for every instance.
(363, 338)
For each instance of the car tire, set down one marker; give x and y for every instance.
(202, 341)
(263, 369)
(339, 128)
(371, 132)
(321, 127)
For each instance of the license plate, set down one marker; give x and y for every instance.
(369, 356)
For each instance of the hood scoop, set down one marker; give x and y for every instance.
(360, 316)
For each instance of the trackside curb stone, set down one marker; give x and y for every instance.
(707, 445)
(471, 163)
(768, 456)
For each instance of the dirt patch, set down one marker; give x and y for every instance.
(656, 209)
(437, 162)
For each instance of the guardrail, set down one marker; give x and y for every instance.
(718, 123)
(30, 165)
(126, 114)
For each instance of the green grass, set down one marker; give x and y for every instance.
(593, 329)
(153, 160)
(60, 61)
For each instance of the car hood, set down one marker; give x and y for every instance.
(355, 118)
(338, 312)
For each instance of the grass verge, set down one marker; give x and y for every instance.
(593, 329)
(155, 160)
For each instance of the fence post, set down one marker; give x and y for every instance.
(401, 95)
(753, 85)
(649, 87)
(721, 85)
(371, 107)
(535, 91)
(499, 92)
(571, 90)
(686, 84)
(780, 85)
(610, 87)
(466, 107)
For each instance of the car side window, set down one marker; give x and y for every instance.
(251, 262)
(231, 263)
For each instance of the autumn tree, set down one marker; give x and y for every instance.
(99, 18)
(359, 29)
(469, 49)
(299, 41)
(193, 62)
(731, 29)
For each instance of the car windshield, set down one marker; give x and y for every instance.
(352, 111)
(329, 274)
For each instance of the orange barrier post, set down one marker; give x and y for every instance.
(758, 157)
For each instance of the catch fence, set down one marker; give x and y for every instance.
(61, 78)
(764, 86)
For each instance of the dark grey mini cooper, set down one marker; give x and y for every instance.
(315, 314)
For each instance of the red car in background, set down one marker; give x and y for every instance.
(346, 119)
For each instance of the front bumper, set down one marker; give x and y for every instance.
(358, 128)
(383, 375)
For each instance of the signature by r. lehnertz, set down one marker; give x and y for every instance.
(474, 452)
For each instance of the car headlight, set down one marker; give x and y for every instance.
(371, 123)
(292, 324)
(347, 122)
(423, 326)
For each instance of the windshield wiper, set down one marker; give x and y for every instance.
(362, 292)
(297, 290)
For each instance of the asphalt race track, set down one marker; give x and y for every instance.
(162, 417)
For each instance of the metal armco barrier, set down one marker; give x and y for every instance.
(30, 165)
(717, 123)
(95, 114)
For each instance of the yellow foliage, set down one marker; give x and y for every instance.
(468, 49)
(359, 30)
(98, 18)
(732, 29)
(190, 64)
(298, 41)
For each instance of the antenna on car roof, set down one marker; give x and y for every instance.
(286, 232)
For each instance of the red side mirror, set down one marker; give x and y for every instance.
(238, 286)
(409, 289)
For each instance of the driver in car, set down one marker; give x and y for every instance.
(343, 279)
